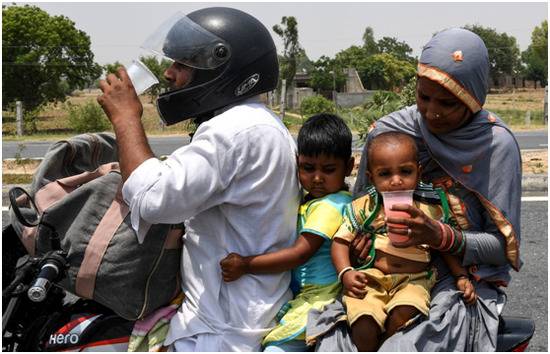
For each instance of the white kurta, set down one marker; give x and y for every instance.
(236, 187)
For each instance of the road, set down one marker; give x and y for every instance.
(528, 291)
(536, 139)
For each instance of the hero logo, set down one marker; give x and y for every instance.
(247, 84)
(69, 338)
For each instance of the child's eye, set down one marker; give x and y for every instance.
(383, 173)
(307, 168)
(329, 170)
(406, 171)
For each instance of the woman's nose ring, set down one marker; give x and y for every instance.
(437, 115)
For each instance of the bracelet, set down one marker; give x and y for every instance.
(342, 272)
(451, 243)
(462, 243)
(443, 239)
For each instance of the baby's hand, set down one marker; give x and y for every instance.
(354, 284)
(465, 285)
(233, 267)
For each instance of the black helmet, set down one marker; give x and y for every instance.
(233, 55)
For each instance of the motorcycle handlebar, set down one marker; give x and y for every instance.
(39, 289)
(49, 272)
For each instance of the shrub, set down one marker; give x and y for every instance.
(407, 97)
(87, 118)
(316, 104)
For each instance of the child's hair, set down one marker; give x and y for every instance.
(325, 134)
(390, 138)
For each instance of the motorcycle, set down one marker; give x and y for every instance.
(39, 315)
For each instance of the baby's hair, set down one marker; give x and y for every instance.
(325, 134)
(390, 138)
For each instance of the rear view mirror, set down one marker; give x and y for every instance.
(23, 207)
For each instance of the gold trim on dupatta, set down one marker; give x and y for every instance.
(450, 84)
(505, 227)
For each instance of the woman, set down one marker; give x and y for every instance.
(473, 156)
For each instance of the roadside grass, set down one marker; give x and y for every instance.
(52, 122)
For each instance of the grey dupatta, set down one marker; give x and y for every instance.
(483, 155)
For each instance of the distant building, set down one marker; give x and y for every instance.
(507, 81)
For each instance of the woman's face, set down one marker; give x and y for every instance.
(441, 110)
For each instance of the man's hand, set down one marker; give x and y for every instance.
(354, 284)
(119, 100)
(465, 285)
(233, 267)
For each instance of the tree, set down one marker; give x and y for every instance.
(539, 41)
(400, 50)
(385, 72)
(111, 68)
(504, 54)
(303, 64)
(44, 57)
(326, 75)
(288, 31)
(369, 43)
(536, 55)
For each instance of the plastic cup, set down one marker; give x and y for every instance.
(142, 78)
(397, 197)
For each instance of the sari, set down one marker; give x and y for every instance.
(479, 167)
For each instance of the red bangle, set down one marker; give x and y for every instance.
(451, 243)
(443, 236)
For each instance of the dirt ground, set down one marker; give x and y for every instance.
(534, 162)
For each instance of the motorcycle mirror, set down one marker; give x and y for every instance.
(23, 207)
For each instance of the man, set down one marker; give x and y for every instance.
(235, 185)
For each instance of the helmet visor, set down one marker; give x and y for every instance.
(184, 41)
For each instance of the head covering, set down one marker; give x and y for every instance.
(457, 59)
(483, 155)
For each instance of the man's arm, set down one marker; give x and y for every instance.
(123, 108)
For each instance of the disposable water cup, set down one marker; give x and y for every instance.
(142, 78)
(397, 197)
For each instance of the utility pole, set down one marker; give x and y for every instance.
(283, 98)
(545, 119)
(19, 117)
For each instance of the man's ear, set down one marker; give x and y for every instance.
(350, 165)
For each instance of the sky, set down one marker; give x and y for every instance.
(117, 29)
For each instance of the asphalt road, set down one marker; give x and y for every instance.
(528, 290)
(536, 139)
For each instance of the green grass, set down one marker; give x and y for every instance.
(516, 117)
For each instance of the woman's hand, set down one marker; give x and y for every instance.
(465, 285)
(233, 267)
(119, 100)
(359, 249)
(354, 284)
(421, 229)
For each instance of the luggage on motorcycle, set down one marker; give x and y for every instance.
(77, 191)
